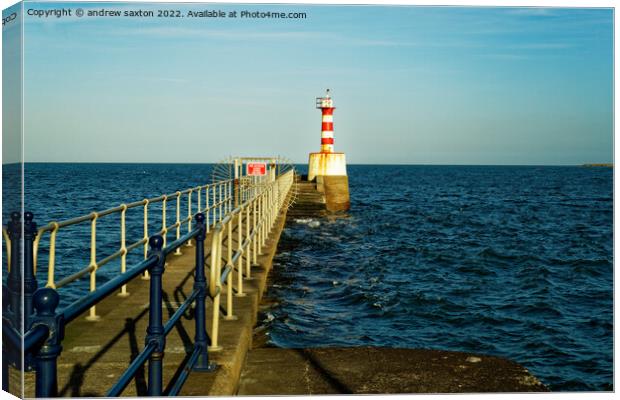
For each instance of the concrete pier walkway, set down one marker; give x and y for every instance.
(368, 370)
(309, 202)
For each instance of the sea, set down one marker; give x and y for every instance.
(510, 261)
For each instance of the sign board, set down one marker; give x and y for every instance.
(256, 169)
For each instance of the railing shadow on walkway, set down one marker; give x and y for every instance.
(76, 378)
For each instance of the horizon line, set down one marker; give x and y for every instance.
(296, 163)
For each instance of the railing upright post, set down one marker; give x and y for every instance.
(259, 225)
(271, 206)
(199, 198)
(270, 209)
(207, 208)
(177, 252)
(220, 202)
(14, 280)
(265, 212)
(46, 359)
(248, 250)
(189, 214)
(30, 282)
(229, 304)
(240, 251)
(164, 223)
(261, 242)
(200, 284)
(276, 200)
(267, 209)
(145, 275)
(123, 292)
(254, 230)
(155, 330)
(216, 273)
(51, 266)
(237, 195)
(229, 278)
(227, 198)
(5, 371)
(92, 313)
(214, 206)
(231, 205)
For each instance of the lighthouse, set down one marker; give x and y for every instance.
(326, 105)
(328, 167)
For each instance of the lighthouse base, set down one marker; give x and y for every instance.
(330, 172)
(326, 164)
(335, 190)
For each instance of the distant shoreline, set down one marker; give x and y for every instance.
(607, 165)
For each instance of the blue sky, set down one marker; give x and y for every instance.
(411, 85)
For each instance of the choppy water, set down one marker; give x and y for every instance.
(509, 261)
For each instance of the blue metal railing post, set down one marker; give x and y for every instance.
(46, 359)
(30, 282)
(5, 372)
(155, 331)
(14, 280)
(5, 354)
(201, 340)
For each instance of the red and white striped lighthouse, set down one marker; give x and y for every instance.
(326, 105)
(327, 167)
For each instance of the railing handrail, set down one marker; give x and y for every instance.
(90, 216)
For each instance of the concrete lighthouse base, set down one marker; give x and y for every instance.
(330, 172)
(322, 164)
(336, 190)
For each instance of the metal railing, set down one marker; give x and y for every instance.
(218, 200)
(248, 225)
(43, 327)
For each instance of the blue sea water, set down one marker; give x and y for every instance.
(508, 261)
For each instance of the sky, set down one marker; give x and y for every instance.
(411, 85)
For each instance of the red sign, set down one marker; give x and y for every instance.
(256, 169)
